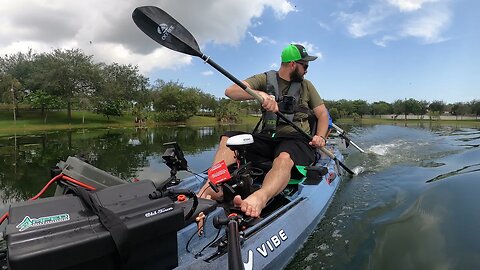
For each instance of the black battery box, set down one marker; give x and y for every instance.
(63, 233)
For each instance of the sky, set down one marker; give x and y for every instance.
(374, 50)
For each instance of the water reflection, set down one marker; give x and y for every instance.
(126, 153)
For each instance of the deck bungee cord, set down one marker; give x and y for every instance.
(49, 183)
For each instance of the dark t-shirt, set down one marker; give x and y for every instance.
(309, 98)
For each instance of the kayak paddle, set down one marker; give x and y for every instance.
(165, 30)
(342, 134)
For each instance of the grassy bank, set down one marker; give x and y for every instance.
(31, 122)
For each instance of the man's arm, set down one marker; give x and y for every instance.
(235, 92)
(319, 139)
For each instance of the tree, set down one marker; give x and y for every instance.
(334, 114)
(437, 106)
(475, 107)
(423, 108)
(68, 74)
(250, 106)
(11, 92)
(122, 81)
(381, 107)
(42, 99)
(411, 106)
(408, 106)
(14, 73)
(121, 86)
(227, 111)
(173, 102)
(361, 107)
(459, 109)
(110, 108)
(208, 102)
(398, 107)
(345, 107)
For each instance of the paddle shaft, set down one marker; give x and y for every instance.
(227, 74)
(342, 134)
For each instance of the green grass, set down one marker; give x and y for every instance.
(31, 122)
(211, 121)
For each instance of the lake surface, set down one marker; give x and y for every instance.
(416, 205)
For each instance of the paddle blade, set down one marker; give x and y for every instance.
(164, 29)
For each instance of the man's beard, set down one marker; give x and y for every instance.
(295, 76)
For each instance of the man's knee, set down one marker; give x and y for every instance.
(222, 144)
(284, 159)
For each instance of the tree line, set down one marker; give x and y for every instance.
(70, 80)
(359, 108)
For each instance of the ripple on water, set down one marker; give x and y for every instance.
(336, 234)
(311, 256)
(388, 218)
(323, 247)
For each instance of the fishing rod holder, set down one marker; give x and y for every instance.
(234, 239)
(173, 157)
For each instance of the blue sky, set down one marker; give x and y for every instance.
(371, 50)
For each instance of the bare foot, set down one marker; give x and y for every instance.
(207, 192)
(252, 205)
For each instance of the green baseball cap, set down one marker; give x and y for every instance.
(295, 52)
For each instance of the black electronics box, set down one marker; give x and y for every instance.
(61, 233)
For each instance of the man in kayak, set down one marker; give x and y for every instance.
(287, 91)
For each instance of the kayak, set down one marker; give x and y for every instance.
(98, 221)
(272, 242)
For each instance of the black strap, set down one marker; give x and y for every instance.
(111, 221)
(270, 118)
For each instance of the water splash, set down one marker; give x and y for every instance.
(382, 149)
(358, 170)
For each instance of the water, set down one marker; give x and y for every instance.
(414, 204)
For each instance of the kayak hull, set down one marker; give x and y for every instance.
(272, 242)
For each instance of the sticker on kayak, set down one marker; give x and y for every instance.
(330, 177)
(219, 173)
(29, 222)
(267, 247)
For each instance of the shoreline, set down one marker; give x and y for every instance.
(22, 128)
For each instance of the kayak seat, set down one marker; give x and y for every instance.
(266, 165)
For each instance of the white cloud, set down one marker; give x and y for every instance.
(259, 40)
(362, 24)
(383, 41)
(324, 26)
(409, 5)
(105, 28)
(393, 20)
(429, 26)
(207, 73)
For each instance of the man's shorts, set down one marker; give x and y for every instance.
(267, 148)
